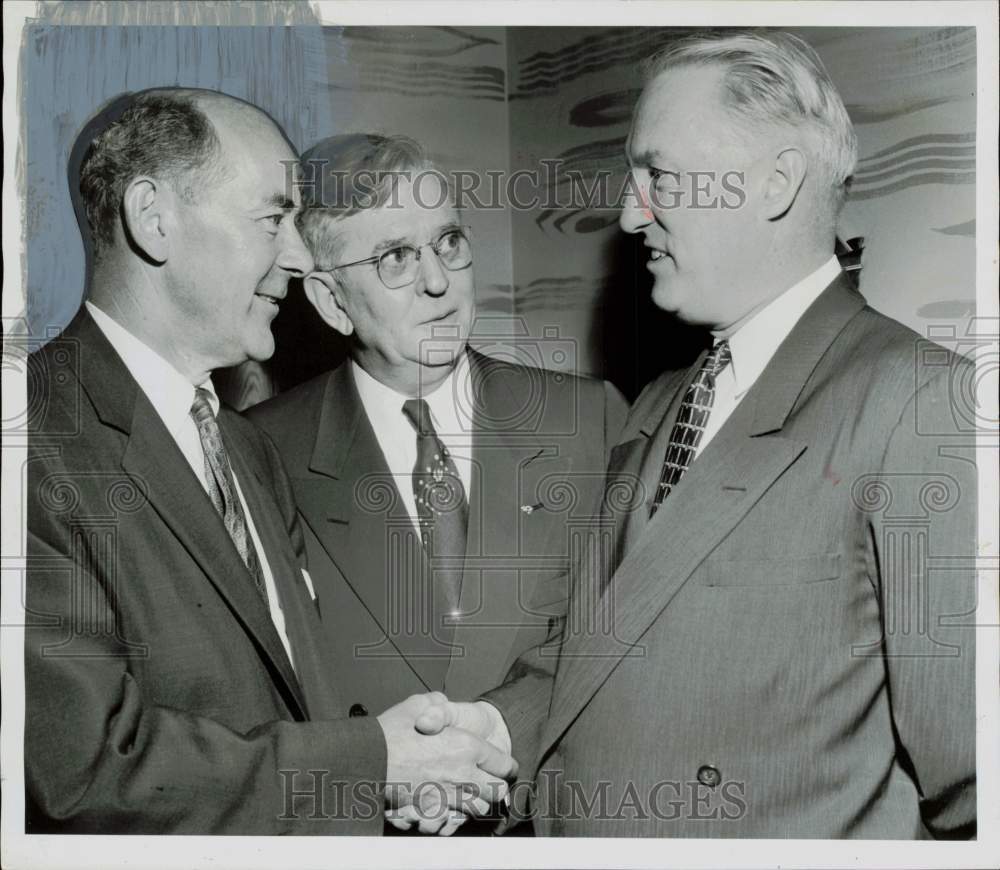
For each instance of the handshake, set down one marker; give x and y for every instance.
(446, 762)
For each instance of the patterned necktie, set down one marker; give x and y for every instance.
(441, 504)
(221, 487)
(691, 421)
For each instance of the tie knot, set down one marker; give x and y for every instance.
(418, 412)
(201, 407)
(719, 357)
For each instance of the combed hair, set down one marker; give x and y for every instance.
(160, 134)
(772, 77)
(344, 175)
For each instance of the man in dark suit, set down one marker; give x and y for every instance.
(176, 680)
(783, 645)
(412, 599)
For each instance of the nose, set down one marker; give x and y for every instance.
(294, 256)
(635, 212)
(435, 277)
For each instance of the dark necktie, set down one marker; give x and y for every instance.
(441, 505)
(221, 487)
(691, 421)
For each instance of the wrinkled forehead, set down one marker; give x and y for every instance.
(416, 211)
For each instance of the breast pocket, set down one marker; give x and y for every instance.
(792, 571)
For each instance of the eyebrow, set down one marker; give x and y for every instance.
(389, 244)
(649, 157)
(279, 200)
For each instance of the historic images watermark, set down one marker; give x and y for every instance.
(548, 186)
(314, 795)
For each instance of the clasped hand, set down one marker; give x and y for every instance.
(446, 761)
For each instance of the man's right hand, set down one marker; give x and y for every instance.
(441, 763)
(477, 717)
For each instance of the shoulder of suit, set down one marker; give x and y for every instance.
(551, 377)
(889, 352)
(285, 410)
(54, 392)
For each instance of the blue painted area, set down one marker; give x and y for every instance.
(69, 72)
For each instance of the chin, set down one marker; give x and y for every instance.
(261, 350)
(666, 296)
(441, 354)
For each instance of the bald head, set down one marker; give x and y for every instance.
(189, 137)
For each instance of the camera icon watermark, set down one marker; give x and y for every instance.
(971, 363)
(45, 372)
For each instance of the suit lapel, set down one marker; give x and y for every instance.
(747, 455)
(300, 616)
(152, 457)
(634, 465)
(353, 505)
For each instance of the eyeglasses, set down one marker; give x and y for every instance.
(399, 267)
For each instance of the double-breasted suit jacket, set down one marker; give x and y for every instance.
(786, 649)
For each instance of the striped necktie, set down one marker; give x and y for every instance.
(222, 488)
(691, 421)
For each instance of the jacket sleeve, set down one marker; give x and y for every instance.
(523, 701)
(922, 553)
(100, 758)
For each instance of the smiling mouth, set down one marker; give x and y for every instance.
(274, 300)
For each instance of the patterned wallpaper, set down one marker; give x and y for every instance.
(510, 99)
(500, 100)
(911, 94)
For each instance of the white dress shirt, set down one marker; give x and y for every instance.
(757, 340)
(171, 395)
(451, 413)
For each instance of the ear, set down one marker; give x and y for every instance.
(142, 211)
(784, 182)
(323, 291)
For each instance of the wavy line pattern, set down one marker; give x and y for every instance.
(968, 228)
(915, 181)
(408, 78)
(605, 110)
(927, 139)
(861, 114)
(541, 73)
(934, 158)
(415, 41)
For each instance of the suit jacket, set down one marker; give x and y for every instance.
(786, 648)
(159, 697)
(540, 445)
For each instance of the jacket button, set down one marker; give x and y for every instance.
(357, 710)
(708, 774)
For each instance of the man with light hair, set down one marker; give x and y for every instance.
(783, 645)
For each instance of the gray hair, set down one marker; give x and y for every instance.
(344, 175)
(772, 78)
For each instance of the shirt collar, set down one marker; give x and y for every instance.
(384, 405)
(170, 393)
(757, 340)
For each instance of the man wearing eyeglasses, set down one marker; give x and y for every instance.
(432, 479)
